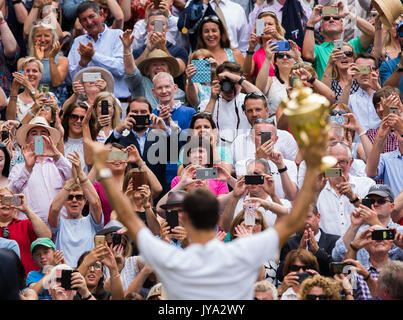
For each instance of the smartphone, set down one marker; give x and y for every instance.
(116, 238)
(394, 110)
(249, 215)
(338, 44)
(260, 27)
(333, 173)
(206, 173)
(6, 200)
(282, 45)
(38, 145)
(265, 136)
(254, 179)
(44, 88)
(104, 107)
(385, 234)
(138, 179)
(99, 240)
(159, 26)
(91, 76)
(329, 10)
(172, 218)
(302, 276)
(339, 267)
(366, 202)
(156, 4)
(142, 119)
(203, 71)
(4, 135)
(118, 156)
(65, 279)
(364, 69)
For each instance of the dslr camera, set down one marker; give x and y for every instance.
(227, 85)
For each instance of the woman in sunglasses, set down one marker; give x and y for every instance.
(339, 73)
(322, 288)
(296, 263)
(211, 35)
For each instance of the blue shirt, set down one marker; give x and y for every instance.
(10, 244)
(108, 55)
(34, 277)
(387, 68)
(390, 170)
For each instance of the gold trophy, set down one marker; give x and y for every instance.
(308, 115)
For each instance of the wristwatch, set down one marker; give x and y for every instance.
(282, 170)
(104, 173)
(399, 68)
(33, 92)
(312, 80)
(241, 80)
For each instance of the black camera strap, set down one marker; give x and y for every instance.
(237, 115)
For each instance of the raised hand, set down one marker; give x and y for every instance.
(127, 39)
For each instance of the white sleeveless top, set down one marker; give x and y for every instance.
(276, 93)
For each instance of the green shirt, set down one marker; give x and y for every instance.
(323, 51)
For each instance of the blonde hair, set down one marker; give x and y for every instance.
(31, 41)
(329, 286)
(29, 60)
(200, 54)
(238, 220)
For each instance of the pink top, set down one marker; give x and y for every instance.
(106, 207)
(215, 186)
(259, 56)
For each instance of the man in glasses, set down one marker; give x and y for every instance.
(75, 232)
(43, 173)
(332, 28)
(352, 243)
(341, 192)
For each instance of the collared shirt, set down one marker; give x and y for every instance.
(340, 250)
(235, 19)
(390, 170)
(363, 108)
(140, 139)
(44, 182)
(108, 55)
(334, 210)
(362, 291)
(387, 68)
(391, 140)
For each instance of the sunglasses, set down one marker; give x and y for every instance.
(265, 120)
(46, 108)
(78, 197)
(318, 296)
(327, 18)
(282, 56)
(6, 232)
(212, 18)
(75, 117)
(348, 54)
(338, 112)
(96, 266)
(295, 268)
(380, 201)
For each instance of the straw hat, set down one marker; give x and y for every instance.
(390, 10)
(158, 54)
(105, 74)
(21, 134)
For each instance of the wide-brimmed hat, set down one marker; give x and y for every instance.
(22, 132)
(105, 74)
(158, 54)
(175, 198)
(111, 226)
(390, 10)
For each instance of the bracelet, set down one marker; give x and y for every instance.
(3, 22)
(127, 54)
(87, 298)
(353, 247)
(361, 134)
(84, 181)
(310, 28)
(367, 277)
(250, 52)
(282, 170)
(348, 293)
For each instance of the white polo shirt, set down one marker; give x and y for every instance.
(335, 211)
(213, 271)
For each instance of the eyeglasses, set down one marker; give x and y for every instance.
(96, 266)
(317, 296)
(75, 117)
(327, 18)
(295, 268)
(348, 54)
(380, 201)
(281, 55)
(6, 232)
(338, 112)
(332, 144)
(78, 197)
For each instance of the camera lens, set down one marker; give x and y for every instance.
(227, 85)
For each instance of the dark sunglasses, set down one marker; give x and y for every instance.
(6, 232)
(380, 201)
(327, 18)
(319, 296)
(75, 117)
(255, 94)
(349, 54)
(338, 112)
(76, 196)
(282, 56)
(295, 268)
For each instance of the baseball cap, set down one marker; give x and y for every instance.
(381, 190)
(46, 242)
